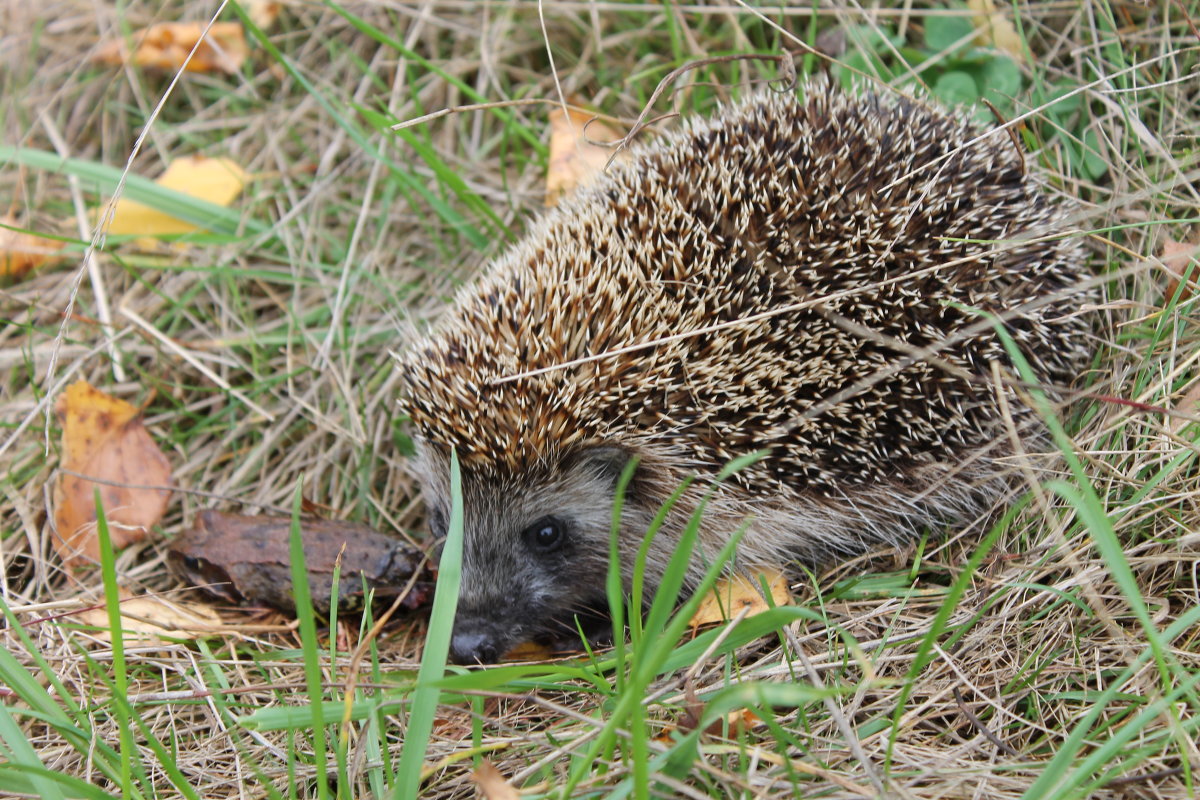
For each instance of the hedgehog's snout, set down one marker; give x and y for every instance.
(471, 643)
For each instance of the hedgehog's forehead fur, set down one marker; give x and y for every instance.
(873, 202)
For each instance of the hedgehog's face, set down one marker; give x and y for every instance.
(535, 551)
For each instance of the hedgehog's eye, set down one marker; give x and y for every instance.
(546, 535)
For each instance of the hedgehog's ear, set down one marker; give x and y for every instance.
(604, 461)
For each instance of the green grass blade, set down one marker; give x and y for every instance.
(28, 780)
(27, 687)
(437, 647)
(120, 674)
(636, 600)
(311, 646)
(614, 585)
(410, 182)
(452, 79)
(201, 213)
(660, 636)
(1087, 503)
(1056, 778)
(20, 753)
(925, 652)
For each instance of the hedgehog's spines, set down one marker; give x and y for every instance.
(873, 207)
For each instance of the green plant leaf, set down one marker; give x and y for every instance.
(1092, 162)
(957, 88)
(942, 33)
(1000, 78)
(1060, 102)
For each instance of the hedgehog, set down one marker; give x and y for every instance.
(811, 275)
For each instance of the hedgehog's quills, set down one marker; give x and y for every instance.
(873, 224)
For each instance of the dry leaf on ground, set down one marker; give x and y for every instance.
(166, 46)
(1175, 257)
(217, 180)
(733, 725)
(21, 251)
(263, 13)
(492, 784)
(528, 651)
(104, 438)
(1188, 404)
(248, 559)
(738, 721)
(995, 28)
(151, 619)
(738, 593)
(574, 161)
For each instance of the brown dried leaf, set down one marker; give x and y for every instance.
(738, 721)
(738, 593)
(996, 29)
(166, 46)
(103, 438)
(248, 559)
(153, 619)
(1176, 256)
(492, 784)
(21, 251)
(574, 161)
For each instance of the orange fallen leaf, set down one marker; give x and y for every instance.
(217, 180)
(103, 438)
(739, 593)
(492, 784)
(166, 46)
(152, 619)
(528, 651)
(739, 722)
(21, 251)
(995, 28)
(574, 160)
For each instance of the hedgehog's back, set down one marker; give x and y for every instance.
(807, 270)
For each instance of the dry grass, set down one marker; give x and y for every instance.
(960, 679)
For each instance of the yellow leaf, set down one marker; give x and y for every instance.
(217, 180)
(21, 251)
(995, 29)
(739, 593)
(574, 160)
(166, 47)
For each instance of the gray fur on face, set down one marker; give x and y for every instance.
(511, 590)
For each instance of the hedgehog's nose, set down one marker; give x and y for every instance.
(473, 647)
